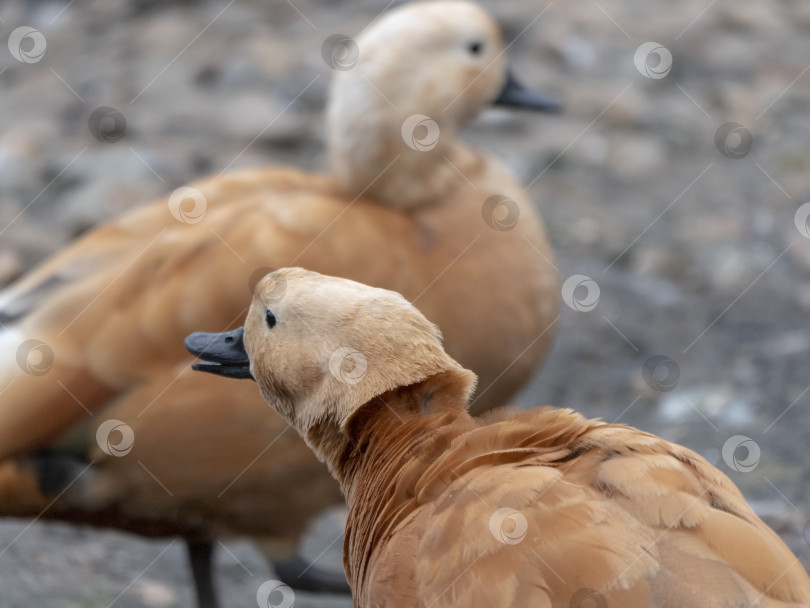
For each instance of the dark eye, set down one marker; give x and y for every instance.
(475, 47)
(271, 319)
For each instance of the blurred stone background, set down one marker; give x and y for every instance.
(690, 231)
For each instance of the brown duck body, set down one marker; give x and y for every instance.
(546, 508)
(539, 508)
(114, 309)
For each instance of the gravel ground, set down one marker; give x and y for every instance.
(692, 229)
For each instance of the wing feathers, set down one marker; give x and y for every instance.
(579, 513)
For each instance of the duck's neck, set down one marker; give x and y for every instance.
(379, 460)
(370, 155)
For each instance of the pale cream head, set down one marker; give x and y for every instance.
(321, 347)
(443, 59)
(438, 60)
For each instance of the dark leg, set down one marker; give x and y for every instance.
(56, 472)
(200, 555)
(299, 574)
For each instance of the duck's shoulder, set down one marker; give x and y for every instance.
(616, 460)
(553, 503)
(229, 193)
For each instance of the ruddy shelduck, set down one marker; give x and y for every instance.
(537, 508)
(95, 333)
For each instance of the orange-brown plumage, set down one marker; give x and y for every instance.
(640, 521)
(537, 508)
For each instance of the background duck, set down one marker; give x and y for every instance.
(542, 507)
(95, 333)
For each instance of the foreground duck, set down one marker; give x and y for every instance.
(95, 333)
(538, 508)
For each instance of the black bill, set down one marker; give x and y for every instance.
(516, 95)
(222, 354)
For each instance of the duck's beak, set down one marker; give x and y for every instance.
(222, 354)
(516, 95)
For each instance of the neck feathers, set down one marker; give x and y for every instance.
(401, 161)
(381, 454)
(381, 471)
(384, 419)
